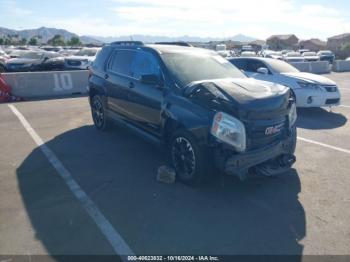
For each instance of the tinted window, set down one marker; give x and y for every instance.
(241, 64)
(121, 62)
(144, 64)
(101, 58)
(281, 66)
(254, 65)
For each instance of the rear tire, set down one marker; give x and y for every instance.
(98, 111)
(191, 161)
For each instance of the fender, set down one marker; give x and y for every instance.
(178, 112)
(97, 87)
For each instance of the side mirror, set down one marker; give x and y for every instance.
(151, 80)
(263, 70)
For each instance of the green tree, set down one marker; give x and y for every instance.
(23, 41)
(56, 40)
(8, 41)
(2, 41)
(74, 41)
(33, 41)
(346, 47)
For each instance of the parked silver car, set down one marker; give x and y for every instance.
(293, 57)
(81, 60)
(311, 57)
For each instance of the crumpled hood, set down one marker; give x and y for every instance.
(239, 95)
(310, 78)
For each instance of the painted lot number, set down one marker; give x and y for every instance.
(63, 82)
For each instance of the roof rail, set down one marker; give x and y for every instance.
(127, 43)
(179, 43)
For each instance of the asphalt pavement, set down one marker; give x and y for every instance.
(303, 212)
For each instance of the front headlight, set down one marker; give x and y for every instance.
(292, 116)
(229, 130)
(309, 86)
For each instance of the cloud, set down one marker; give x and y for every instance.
(222, 17)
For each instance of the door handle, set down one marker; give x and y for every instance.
(131, 85)
(106, 76)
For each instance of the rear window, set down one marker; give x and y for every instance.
(101, 58)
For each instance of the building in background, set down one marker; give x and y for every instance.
(337, 42)
(280, 42)
(340, 45)
(257, 45)
(313, 44)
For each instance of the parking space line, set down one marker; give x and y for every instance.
(114, 238)
(324, 145)
(344, 106)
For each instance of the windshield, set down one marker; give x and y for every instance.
(192, 66)
(281, 66)
(87, 52)
(325, 53)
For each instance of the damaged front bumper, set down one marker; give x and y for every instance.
(270, 160)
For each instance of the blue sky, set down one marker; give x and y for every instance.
(219, 18)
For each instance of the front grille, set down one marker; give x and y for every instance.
(259, 132)
(74, 63)
(330, 88)
(332, 101)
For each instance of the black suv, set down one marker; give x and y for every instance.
(203, 110)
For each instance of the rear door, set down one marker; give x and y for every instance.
(119, 81)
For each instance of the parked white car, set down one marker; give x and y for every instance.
(293, 57)
(311, 57)
(81, 60)
(310, 90)
(348, 59)
(273, 54)
(248, 54)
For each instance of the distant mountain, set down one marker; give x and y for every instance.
(90, 40)
(152, 39)
(44, 34)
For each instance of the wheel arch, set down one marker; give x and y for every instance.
(198, 126)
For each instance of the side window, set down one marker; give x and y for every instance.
(120, 62)
(254, 65)
(144, 64)
(241, 64)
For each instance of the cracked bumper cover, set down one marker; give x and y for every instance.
(239, 164)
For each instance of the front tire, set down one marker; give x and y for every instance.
(189, 159)
(98, 111)
(293, 140)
